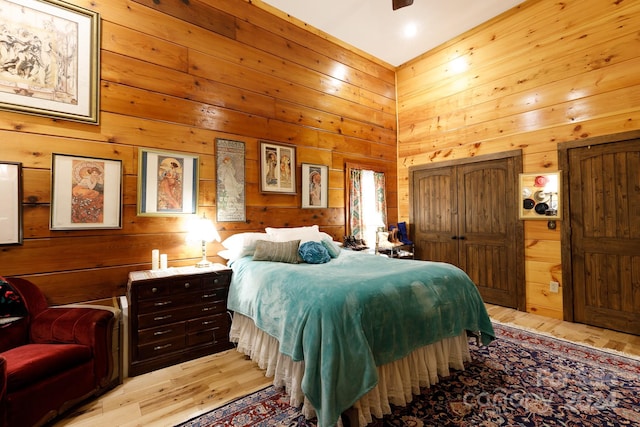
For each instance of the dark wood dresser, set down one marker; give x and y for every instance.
(177, 315)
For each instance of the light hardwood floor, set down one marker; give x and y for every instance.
(169, 396)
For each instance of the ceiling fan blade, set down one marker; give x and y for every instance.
(397, 4)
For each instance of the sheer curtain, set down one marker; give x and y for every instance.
(367, 204)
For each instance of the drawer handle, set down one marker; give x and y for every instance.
(154, 290)
(162, 332)
(187, 285)
(209, 308)
(215, 281)
(209, 295)
(168, 316)
(160, 304)
(161, 347)
(209, 322)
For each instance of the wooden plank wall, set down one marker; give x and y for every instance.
(541, 74)
(176, 75)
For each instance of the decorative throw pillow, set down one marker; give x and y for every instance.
(11, 303)
(277, 251)
(314, 253)
(331, 247)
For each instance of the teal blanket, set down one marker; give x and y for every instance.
(352, 314)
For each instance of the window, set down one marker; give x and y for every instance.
(366, 202)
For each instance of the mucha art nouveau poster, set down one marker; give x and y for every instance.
(170, 184)
(230, 188)
(167, 183)
(277, 168)
(315, 185)
(86, 193)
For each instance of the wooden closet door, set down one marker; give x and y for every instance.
(434, 219)
(489, 232)
(604, 195)
(466, 215)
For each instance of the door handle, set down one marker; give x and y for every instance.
(454, 237)
(462, 238)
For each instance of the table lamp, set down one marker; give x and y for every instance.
(202, 230)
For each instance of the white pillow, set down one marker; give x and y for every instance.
(228, 254)
(237, 241)
(304, 234)
(242, 244)
(324, 235)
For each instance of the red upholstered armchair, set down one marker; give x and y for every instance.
(51, 358)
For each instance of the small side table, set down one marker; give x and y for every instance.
(400, 251)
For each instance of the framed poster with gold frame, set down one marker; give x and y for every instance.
(539, 196)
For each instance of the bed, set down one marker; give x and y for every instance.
(356, 331)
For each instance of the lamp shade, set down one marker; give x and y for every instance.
(202, 230)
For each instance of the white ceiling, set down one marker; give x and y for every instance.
(374, 27)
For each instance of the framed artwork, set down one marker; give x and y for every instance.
(539, 196)
(11, 206)
(51, 66)
(277, 168)
(315, 184)
(167, 183)
(86, 193)
(230, 182)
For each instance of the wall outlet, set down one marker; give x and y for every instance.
(554, 287)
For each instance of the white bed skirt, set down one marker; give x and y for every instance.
(398, 381)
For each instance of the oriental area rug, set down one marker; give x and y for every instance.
(520, 379)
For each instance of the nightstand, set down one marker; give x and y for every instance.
(177, 314)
